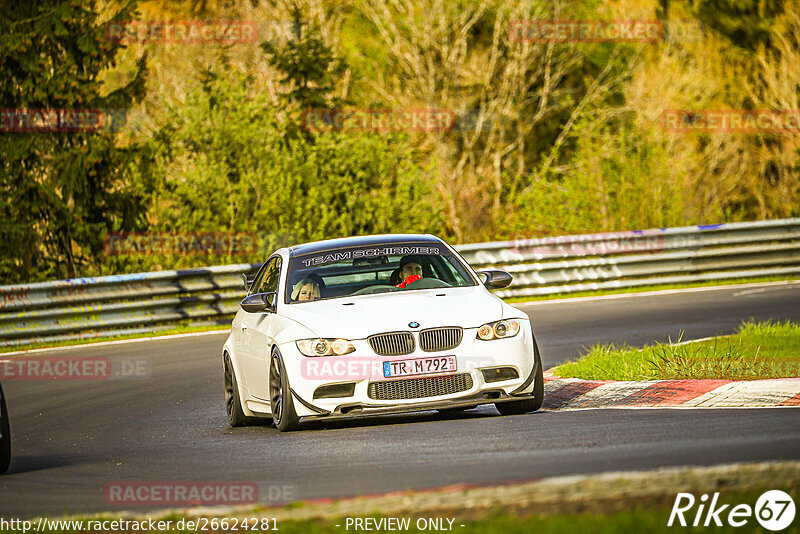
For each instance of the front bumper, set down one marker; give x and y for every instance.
(363, 367)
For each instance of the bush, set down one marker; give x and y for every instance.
(232, 161)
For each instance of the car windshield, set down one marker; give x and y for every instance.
(371, 269)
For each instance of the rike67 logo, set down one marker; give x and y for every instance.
(774, 510)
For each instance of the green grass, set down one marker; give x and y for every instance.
(756, 351)
(637, 520)
(179, 329)
(633, 516)
(642, 289)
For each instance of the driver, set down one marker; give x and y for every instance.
(305, 290)
(410, 270)
(410, 265)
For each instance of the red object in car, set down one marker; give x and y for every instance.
(409, 280)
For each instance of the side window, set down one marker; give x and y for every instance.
(257, 280)
(272, 275)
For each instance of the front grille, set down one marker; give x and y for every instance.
(435, 339)
(392, 344)
(417, 388)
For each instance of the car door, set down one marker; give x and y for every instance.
(256, 337)
(241, 316)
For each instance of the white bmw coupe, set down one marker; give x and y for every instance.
(375, 325)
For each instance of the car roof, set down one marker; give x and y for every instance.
(361, 241)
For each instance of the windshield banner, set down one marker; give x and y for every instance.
(394, 250)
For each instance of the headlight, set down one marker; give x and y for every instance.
(324, 347)
(499, 330)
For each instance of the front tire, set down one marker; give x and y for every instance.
(5, 435)
(532, 403)
(283, 412)
(233, 404)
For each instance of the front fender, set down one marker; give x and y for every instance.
(287, 330)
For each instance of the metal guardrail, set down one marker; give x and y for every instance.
(120, 304)
(144, 302)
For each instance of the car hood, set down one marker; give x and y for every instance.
(365, 315)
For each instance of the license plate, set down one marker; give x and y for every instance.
(419, 366)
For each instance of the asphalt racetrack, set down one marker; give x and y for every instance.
(72, 438)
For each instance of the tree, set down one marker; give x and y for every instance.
(515, 98)
(62, 176)
(308, 65)
(746, 23)
(234, 167)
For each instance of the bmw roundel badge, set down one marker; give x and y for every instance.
(413, 324)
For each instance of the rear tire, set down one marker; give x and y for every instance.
(283, 412)
(534, 402)
(5, 435)
(233, 404)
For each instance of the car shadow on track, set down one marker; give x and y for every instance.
(395, 419)
(365, 421)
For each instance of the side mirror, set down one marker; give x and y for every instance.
(495, 279)
(260, 302)
(248, 281)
